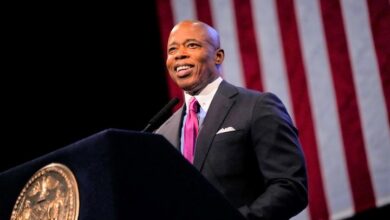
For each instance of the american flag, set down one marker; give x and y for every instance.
(329, 62)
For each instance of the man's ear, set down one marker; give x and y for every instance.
(219, 56)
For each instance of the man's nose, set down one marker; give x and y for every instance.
(181, 54)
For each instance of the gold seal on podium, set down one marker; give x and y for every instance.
(51, 193)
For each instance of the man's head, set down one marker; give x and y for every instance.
(194, 55)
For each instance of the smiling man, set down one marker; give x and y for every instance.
(242, 141)
(193, 62)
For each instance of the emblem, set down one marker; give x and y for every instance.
(51, 193)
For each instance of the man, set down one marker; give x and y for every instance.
(246, 145)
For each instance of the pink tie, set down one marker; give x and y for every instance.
(191, 130)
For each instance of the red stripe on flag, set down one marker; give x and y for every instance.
(362, 189)
(203, 11)
(248, 45)
(380, 27)
(301, 105)
(164, 11)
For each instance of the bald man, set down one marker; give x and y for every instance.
(247, 145)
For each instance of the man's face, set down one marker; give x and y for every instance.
(191, 60)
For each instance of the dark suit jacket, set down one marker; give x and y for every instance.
(259, 167)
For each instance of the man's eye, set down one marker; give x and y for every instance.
(171, 50)
(192, 45)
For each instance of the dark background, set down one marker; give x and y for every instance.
(74, 70)
(71, 70)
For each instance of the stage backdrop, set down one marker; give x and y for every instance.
(329, 63)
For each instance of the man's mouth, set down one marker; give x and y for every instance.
(183, 70)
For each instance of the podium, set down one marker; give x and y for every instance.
(126, 175)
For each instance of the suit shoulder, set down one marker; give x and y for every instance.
(257, 94)
(261, 99)
(171, 121)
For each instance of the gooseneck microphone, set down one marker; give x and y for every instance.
(160, 114)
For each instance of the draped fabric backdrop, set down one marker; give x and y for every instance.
(329, 63)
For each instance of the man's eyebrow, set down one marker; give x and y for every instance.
(171, 44)
(191, 40)
(186, 41)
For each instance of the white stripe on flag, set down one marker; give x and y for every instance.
(304, 215)
(183, 10)
(323, 99)
(224, 22)
(370, 96)
(271, 58)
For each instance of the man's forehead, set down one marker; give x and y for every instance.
(188, 29)
(189, 25)
(187, 35)
(193, 30)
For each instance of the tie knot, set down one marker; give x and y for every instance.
(194, 105)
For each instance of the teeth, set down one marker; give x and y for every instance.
(182, 68)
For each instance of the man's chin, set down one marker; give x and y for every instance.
(192, 90)
(186, 86)
(189, 87)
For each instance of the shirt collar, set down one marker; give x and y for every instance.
(206, 95)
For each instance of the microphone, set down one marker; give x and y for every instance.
(160, 114)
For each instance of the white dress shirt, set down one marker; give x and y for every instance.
(204, 99)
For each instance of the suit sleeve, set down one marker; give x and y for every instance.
(280, 160)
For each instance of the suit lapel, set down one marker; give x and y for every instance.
(219, 108)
